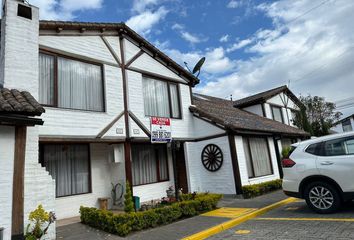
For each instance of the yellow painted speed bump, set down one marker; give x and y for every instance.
(229, 212)
(236, 221)
(242, 231)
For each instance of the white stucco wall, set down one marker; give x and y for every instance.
(7, 148)
(245, 180)
(202, 180)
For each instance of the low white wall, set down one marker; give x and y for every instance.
(154, 191)
(202, 180)
(7, 147)
(245, 180)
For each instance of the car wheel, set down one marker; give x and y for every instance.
(322, 197)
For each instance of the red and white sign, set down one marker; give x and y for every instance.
(160, 130)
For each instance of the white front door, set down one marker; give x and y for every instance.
(337, 162)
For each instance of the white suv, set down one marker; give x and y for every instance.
(321, 171)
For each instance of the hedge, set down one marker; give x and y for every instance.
(254, 190)
(123, 224)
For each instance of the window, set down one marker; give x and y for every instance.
(161, 99)
(69, 165)
(149, 164)
(347, 125)
(277, 114)
(257, 156)
(314, 149)
(338, 147)
(67, 83)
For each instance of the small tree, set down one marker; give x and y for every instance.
(317, 116)
(128, 199)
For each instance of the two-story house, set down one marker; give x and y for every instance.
(346, 124)
(100, 84)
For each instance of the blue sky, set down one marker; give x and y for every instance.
(250, 45)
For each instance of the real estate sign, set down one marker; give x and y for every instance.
(160, 130)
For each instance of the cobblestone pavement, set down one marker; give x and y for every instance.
(296, 222)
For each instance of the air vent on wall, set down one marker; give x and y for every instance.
(24, 11)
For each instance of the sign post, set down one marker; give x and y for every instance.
(160, 130)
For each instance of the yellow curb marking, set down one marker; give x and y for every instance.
(291, 208)
(233, 222)
(229, 212)
(242, 231)
(309, 219)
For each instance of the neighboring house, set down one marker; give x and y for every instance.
(249, 144)
(344, 125)
(18, 112)
(279, 104)
(100, 83)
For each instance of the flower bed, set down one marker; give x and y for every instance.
(123, 224)
(254, 190)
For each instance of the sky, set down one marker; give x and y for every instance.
(249, 45)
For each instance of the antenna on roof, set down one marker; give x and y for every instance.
(197, 68)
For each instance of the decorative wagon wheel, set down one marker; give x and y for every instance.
(212, 157)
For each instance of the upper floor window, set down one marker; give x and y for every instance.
(161, 99)
(277, 114)
(347, 125)
(68, 83)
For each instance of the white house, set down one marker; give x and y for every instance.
(344, 125)
(100, 84)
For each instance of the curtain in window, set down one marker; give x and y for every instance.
(156, 102)
(46, 79)
(277, 114)
(79, 85)
(174, 101)
(248, 158)
(69, 166)
(260, 156)
(257, 157)
(149, 164)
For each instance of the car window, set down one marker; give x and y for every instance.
(335, 147)
(313, 148)
(349, 146)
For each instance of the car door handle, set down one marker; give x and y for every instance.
(327, 163)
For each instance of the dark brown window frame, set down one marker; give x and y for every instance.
(249, 151)
(55, 90)
(169, 96)
(272, 106)
(41, 161)
(157, 166)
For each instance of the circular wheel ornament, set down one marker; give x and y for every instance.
(212, 157)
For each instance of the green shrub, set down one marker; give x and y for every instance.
(285, 152)
(128, 199)
(123, 224)
(254, 190)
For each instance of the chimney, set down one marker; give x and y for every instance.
(19, 46)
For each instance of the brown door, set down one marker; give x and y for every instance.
(181, 169)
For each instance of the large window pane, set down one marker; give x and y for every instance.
(334, 147)
(149, 164)
(174, 101)
(277, 114)
(69, 166)
(257, 156)
(156, 101)
(46, 79)
(79, 85)
(347, 125)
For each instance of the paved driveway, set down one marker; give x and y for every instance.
(295, 221)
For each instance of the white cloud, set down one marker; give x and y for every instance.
(240, 44)
(143, 22)
(177, 26)
(234, 4)
(142, 5)
(64, 9)
(189, 37)
(315, 52)
(224, 38)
